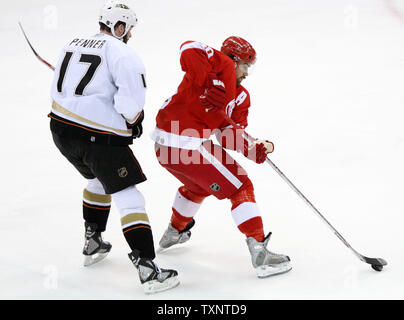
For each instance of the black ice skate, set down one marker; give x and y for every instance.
(95, 249)
(172, 236)
(151, 276)
(267, 263)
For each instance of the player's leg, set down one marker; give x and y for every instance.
(247, 218)
(202, 175)
(187, 202)
(96, 204)
(220, 175)
(245, 211)
(138, 234)
(119, 172)
(135, 222)
(96, 208)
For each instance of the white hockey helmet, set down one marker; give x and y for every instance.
(114, 11)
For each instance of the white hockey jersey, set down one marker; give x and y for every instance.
(99, 83)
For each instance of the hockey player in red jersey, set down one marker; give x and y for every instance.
(210, 91)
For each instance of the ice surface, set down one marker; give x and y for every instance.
(327, 89)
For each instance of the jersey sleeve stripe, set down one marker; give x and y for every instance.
(192, 45)
(241, 98)
(131, 121)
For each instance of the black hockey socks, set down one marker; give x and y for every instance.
(138, 234)
(96, 209)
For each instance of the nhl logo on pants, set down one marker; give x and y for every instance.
(215, 187)
(122, 172)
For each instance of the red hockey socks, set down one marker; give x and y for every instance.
(186, 205)
(253, 228)
(245, 212)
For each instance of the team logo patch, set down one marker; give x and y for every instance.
(215, 187)
(121, 6)
(122, 172)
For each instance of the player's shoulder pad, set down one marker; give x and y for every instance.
(190, 44)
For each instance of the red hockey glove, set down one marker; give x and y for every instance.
(214, 98)
(257, 150)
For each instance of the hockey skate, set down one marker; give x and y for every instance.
(267, 263)
(152, 278)
(172, 236)
(95, 249)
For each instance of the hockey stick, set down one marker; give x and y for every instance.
(376, 263)
(32, 48)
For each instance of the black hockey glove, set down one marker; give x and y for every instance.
(137, 128)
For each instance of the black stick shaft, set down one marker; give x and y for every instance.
(33, 50)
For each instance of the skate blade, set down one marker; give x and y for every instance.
(90, 260)
(271, 270)
(160, 249)
(155, 286)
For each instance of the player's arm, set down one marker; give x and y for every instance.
(232, 138)
(194, 59)
(136, 125)
(130, 80)
(194, 62)
(227, 135)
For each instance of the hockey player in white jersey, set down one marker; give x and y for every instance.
(98, 94)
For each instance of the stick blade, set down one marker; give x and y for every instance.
(378, 262)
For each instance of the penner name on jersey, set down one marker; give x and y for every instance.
(88, 43)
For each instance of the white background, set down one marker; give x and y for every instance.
(327, 89)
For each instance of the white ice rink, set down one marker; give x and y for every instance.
(328, 89)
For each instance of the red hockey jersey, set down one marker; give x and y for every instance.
(182, 120)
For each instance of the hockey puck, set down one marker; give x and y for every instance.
(377, 267)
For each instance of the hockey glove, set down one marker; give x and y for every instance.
(257, 150)
(214, 98)
(234, 139)
(137, 128)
